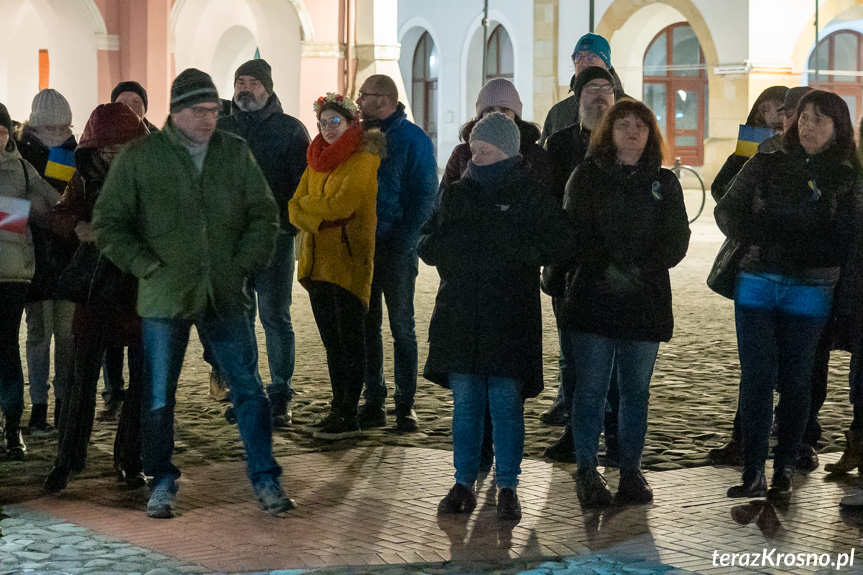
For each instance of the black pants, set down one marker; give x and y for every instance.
(340, 316)
(818, 391)
(12, 295)
(79, 406)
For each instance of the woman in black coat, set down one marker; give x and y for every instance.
(490, 234)
(632, 228)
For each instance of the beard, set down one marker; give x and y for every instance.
(591, 114)
(247, 102)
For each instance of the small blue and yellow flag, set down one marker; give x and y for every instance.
(748, 139)
(61, 164)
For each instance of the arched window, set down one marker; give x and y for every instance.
(424, 93)
(501, 63)
(841, 51)
(675, 88)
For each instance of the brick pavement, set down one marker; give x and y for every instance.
(376, 507)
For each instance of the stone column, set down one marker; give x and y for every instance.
(545, 55)
(377, 48)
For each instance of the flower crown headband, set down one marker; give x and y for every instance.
(337, 99)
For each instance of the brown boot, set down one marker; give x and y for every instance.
(218, 387)
(853, 456)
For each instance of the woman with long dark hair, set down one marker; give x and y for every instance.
(798, 213)
(632, 228)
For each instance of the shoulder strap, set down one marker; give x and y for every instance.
(26, 175)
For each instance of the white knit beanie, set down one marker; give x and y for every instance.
(50, 108)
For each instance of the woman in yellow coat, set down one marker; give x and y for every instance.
(335, 209)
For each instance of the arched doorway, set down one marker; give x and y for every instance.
(675, 88)
(424, 86)
(499, 55)
(839, 60)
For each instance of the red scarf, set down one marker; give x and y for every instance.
(324, 157)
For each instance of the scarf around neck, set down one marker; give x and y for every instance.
(324, 157)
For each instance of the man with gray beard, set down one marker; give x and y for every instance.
(594, 90)
(278, 143)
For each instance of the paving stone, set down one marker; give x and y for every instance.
(32, 556)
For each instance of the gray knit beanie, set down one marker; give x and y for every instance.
(50, 108)
(192, 87)
(258, 69)
(498, 92)
(500, 132)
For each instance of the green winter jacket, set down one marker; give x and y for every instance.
(192, 239)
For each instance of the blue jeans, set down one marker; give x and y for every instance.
(779, 322)
(471, 394)
(47, 319)
(596, 358)
(395, 279)
(232, 343)
(273, 287)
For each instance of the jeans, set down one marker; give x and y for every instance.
(12, 297)
(340, 316)
(394, 278)
(597, 357)
(112, 373)
(273, 288)
(779, 323)
(44, 319)
(232, 343)
(471, 394)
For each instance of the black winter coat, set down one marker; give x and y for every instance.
(566, 150)
(488, 246)
(278, 143)
(631, 229)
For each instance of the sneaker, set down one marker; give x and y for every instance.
(591, 488)
(324, 421)
(218, 387)
(41, 430)
(371, 416)
(273, 499)
(407, 421)
(557, 414)
(161, 504)
(508, 507)
(281, 412)
(231, 415)
(563, 449)
(111, 411)
(634, 488)
(339, 428)
(460, 499)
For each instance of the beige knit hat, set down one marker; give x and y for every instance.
(50, 108)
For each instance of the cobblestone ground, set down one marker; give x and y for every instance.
(693, 399)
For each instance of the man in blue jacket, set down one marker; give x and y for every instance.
(407, 187)
(278, 143)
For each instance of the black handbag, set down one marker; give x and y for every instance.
(91, 278)
(723, 275)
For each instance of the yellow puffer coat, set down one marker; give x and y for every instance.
(341, 251)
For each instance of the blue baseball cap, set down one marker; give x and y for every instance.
(594, 43)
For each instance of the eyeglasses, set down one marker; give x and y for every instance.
(201, 112)
(588, 56)
(325, 124)
(597, 89)
(364, 94)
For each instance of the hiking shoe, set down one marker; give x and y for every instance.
(280, 410)
(557, 414)
(339, 428)
(563, 449)
(591, 488)
(218, 387)
(161, 504)
(508, 507)
(752, 484)
(41, 430)
(633, 488)
(371, 416)
(460, 499)
(407, 421)
(111, 411)
(273, 499)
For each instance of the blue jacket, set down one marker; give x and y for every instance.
(407, 182)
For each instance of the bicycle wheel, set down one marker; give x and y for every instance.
(694, 196)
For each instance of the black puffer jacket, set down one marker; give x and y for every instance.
(632, 228)
(801, 216)
(488, 246)
(278, 143)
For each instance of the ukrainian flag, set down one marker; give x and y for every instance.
(748, 139)
(61, 164)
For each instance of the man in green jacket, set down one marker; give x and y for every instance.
(189, 212)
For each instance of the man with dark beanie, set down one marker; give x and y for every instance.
(189, 212)
(278, 143)
(133, 95)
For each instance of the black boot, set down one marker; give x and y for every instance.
(38, 426)
(15, 448)
(753, 484)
